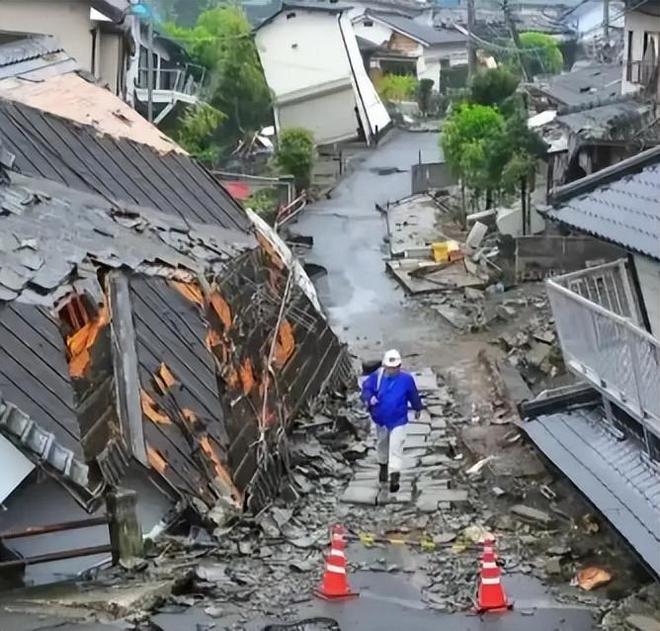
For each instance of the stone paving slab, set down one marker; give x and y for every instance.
(360, 493)
(415, 429)
(413, 441)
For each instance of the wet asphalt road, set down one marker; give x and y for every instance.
(365, 305)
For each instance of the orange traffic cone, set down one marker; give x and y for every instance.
(490, 593)
(335, 581)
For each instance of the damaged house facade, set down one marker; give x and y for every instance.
(106, 39)
(406, 46)
(152, 338)
(312, 63)
(604, 433)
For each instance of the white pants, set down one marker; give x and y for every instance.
(389, 446)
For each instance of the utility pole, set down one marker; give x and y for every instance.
(150, 68)
(606, 20)
(514, 36)
(472, 50)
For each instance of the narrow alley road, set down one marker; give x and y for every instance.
(370, 311)
(367, 307)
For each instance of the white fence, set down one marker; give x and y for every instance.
(598, 327)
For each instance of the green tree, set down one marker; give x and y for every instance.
(541, 53)
(222, 42)
(295, 155)
(396, 87)
(195, 132)
(493, 87)
(468, 138)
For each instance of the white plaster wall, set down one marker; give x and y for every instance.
(648, 272)
(378, 33)
(330, 116)
(301, 52)
(67, 19)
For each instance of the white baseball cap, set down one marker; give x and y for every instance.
(392, 359)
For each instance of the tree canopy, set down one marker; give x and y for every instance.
(221, 41)
(542, 54)
(493, 86)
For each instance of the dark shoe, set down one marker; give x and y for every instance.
(394, 482)
(382, 473)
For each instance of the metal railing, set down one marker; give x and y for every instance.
(181, 80)
(602, 341)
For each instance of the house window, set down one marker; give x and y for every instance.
(290, 15)
(368, 22)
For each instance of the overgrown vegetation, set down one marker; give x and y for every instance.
(264, 203)
(488, 147)
(396, 87)
(195, 132)
(222, 42)
(295, 155)
(542, 54)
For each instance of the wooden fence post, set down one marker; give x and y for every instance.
(125, 531)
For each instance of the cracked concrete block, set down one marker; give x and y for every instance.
(415, 429)
(449, 495)
(438, 423)
(413, 441)
(430, 483)
(424, 417)
(402, 496)
(426, 504)
(363, 493)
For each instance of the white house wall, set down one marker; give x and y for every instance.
(638, 23)
(302, 52)
(373, 114)
(329, 116)
(648, 273)
(378, 33)
(587, 19)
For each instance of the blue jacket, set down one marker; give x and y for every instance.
(394, 393)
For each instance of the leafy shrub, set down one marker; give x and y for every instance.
(396, 87)
(295, 155)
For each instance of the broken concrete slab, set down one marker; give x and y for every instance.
(414, 440)
(424, 417)
(450, 495)
(415, 429)
(643, 623)
(362, 493)
(426, 380)
(532, 515)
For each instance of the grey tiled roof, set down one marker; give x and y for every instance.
(118, 169)
(421, 32)
(594, 83)
(609, 472)
(47, 231)
(625, 211)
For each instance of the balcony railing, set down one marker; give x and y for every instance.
(641, 72)
(598, 326)
(177, 80)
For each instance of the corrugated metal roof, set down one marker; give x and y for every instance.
(118, 169)
(624, 211)
(609, 472)
(28, 47)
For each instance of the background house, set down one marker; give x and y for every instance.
(586, 19)
(641, 47)
(312, 64)
(406, 46)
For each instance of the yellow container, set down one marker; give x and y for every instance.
(444, 251)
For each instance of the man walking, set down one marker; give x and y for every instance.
(387, 393)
